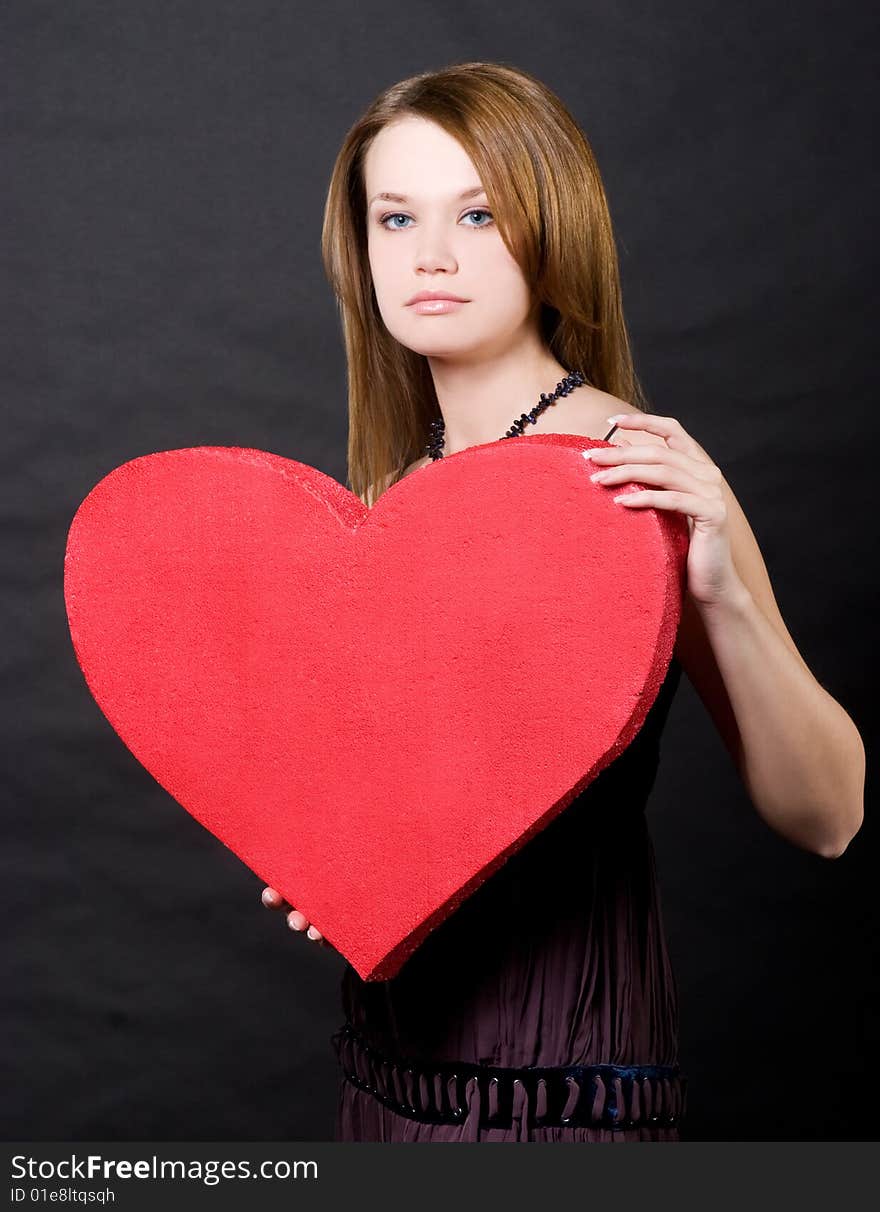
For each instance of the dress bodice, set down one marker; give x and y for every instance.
(560, 956)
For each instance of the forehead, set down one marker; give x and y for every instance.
(415, 157)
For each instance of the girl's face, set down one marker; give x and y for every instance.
(431, 238)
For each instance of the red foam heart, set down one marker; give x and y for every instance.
(373, 708)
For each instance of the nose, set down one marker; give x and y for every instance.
(433, 251)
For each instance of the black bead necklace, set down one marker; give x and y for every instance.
(573, 379)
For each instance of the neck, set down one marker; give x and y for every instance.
(479, 400)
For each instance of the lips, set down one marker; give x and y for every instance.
(426, 296)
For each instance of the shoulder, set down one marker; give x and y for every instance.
(586, 412)
(393, 477)
(422, 462)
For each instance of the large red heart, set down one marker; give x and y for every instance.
(373, 709)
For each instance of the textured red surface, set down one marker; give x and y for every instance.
(375, 708)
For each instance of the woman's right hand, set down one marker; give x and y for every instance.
(295, 920)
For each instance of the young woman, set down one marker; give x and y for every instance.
(545, 1008)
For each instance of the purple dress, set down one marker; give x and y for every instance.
(558, 959)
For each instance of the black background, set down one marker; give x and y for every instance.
(165, 173)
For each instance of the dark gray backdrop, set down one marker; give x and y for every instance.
(165, 173)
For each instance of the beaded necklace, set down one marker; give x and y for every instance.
(573, 379)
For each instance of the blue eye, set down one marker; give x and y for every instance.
(383, 221)
(481, 212)
(397, 215)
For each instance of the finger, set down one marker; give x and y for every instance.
(662, 475)
(604, 456)
(315, 934)
(297, 920)
(272, 899)
(698, 507)
(669, 428)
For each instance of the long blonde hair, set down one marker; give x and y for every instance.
(546, 195)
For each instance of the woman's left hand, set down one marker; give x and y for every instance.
(686, 480)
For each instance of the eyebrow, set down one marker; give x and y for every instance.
(389, 197)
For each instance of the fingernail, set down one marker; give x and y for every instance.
(312, 932)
